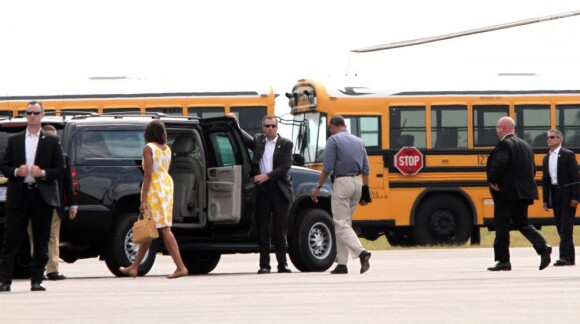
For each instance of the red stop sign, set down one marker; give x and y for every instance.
(409, 160)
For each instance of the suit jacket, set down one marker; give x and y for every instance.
(567, 170)
(49, 158)
(282, 161)
(511, 166)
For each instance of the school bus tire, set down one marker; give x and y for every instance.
(312, 245)
(442, 220)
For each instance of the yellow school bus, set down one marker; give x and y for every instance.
(448, 200)
(121, 94)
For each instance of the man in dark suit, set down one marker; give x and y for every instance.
(560, 182)
(271, 164)
(32, 162)
(510, 174)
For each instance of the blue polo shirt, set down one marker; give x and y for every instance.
(345, 154)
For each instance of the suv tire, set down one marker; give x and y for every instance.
(200, 262)
(122, 251)
(312, 245)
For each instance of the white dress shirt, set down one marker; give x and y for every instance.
(31, 143)
(553, 165)
(267, 161)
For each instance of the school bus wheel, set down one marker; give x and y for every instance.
(442, 220)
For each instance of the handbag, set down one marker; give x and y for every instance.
(144, 229)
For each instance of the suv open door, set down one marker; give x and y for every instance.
(224, 172)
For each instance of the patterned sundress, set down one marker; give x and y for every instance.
(160, 195)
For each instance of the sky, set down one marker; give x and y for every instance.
(278, 42)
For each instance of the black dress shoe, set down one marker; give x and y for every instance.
(364, 257)
(340, 269)
(545, 257)
(4, 287)
(284, 269)
(263, 270)
(37, 287)
(55, 276)
(501, 266)
(561, 262)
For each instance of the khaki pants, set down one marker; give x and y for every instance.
(53, 243)
(346, 193)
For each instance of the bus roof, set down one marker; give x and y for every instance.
(124, 87)
(500, 84)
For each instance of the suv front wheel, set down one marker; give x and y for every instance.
(311, 244)
(122, 251)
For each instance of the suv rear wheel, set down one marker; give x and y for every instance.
(122, 251)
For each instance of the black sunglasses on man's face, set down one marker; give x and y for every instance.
(35, 113)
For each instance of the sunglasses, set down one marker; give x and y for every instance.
(551, 137)
(270, 126)
(35, 113)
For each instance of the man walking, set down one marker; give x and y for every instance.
(346, 157)
(560, 182)
(510, 174)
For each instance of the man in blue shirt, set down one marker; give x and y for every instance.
(346, 157)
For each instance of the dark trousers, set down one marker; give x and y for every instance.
(272, 212)
(516, 212)
(564, 215)
(32, 207)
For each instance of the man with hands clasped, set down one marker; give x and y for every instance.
(560, 181)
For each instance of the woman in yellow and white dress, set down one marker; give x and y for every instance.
(157, 196)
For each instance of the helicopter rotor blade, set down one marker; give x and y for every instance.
(431, 39)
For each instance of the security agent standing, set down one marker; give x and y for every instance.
(271, 162)
(32, 162)
(510, 174)
(560, 191)
(346, 157)
(67, 198)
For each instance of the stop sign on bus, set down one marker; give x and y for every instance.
(409, 160)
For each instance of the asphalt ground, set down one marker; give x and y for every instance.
(402, 286)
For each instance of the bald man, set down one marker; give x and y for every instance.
(510, 174)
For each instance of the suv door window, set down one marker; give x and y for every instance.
(224, 151)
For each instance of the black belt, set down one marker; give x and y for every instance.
(30, 185)
(346, 175)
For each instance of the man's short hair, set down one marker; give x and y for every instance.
(48, 128)
(337, 120)
(269, 117)
(34, 102)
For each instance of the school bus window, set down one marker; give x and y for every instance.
(170, 111)
(485, 119)
(250, 118)
(568, 122)
(121, 110)
(5, 113)
(206, 112)
(448, 126)
(365, 127)
(532, 123)
(64, 110)
(407, 126)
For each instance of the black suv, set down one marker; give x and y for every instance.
(214, 202)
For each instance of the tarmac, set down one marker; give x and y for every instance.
(402, 286)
